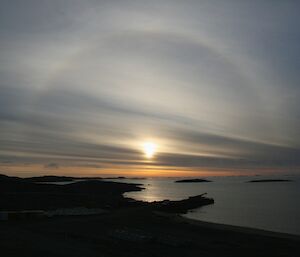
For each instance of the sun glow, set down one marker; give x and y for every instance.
(149, 149)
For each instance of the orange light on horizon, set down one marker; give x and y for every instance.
(39, 169)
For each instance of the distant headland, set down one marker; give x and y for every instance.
(195, 180)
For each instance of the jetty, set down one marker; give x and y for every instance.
(182, 206)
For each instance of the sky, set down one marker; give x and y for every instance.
(213, 84)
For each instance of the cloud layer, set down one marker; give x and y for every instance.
(85, 83)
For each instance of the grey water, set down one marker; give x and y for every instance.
(272, 206)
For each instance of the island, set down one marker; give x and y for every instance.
(268, 180)
(195, 180)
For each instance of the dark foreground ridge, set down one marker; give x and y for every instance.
(269, 180)
(196, 180)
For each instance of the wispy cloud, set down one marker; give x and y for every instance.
(216, 85)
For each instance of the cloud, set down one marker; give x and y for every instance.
(86, 82)
(52, 166)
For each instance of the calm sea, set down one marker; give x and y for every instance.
(269, 206)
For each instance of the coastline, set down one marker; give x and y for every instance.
(234, 228)
(123, 227)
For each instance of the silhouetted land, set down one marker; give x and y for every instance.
(182, 206)
(269, 180)
(20, 194)
(70, 179)
(50, 179)
(128, 228)
(58, 179)
(196, 180)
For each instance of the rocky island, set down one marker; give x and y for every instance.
(195, 180)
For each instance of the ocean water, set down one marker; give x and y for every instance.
(269, 206)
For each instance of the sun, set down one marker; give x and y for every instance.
(149, 149)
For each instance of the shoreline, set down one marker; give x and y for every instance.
(178, 218)
(235, 228)
(125, 227)
(129, 201)
(139, 230)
